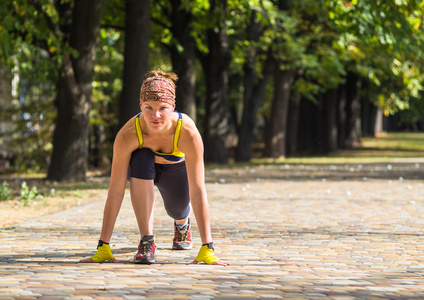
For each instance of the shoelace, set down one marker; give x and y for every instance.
(181, 233)
(145, 247)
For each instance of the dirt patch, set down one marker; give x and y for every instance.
(53, 197)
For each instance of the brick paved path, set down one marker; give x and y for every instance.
(337, 232)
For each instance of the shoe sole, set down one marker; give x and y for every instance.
(145, 261)
(181, 247)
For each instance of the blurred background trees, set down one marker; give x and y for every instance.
(261, 78)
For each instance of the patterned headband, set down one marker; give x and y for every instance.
(157, 89)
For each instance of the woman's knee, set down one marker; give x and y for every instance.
(178, 212)
(142, 164)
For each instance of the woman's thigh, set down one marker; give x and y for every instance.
(142, 164)
(172, 183)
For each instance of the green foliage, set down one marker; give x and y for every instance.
(382, 41)
(27, 38)
(5, 193)
(32, 47)
(303, 39)
(33, 54)
(107, 85)
(77, 193)
(31, 115)
(27, 194)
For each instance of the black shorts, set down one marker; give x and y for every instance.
(171, 180)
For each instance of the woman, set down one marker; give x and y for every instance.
(159, 147)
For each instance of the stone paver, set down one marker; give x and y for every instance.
(326, 232)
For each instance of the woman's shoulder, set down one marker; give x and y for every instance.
(127, 133)
(130, 125)
(187, 121)
(189, 132)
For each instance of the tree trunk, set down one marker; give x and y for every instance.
(342, 117)
(378, 121)
(391, 123)
(136, 57)
(253, 94)
(70, 141)
(215, 65)
(183, 59)
(353, 97)
(251, 106)
(366, 115)
(372, 119)
(319, 137)
(330, 120)
(308, 118)
(275, 143)
(6, 120)
(293, 126)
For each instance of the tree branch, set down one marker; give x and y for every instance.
(159, 22)
(52, 25)
(112, 26)
(40, 43)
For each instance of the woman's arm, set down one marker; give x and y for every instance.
(122, 149)
(118, 179)
(192, 145)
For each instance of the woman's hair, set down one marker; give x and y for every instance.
(158, 73)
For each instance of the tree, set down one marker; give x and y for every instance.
(6, 125)
(380, 41)
(65, 33)
(322, 54)
(183, 55)
(351, 46)
(283, 75)
(136, 56)
(24, 46)
(254, 85)
(215, 60)
(176, 19)
(73, 100)
(107, 85)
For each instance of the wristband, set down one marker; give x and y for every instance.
(101, 244)
(210, 245)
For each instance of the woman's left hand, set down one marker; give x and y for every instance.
(207, 255)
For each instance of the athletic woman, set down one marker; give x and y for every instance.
(161, 147)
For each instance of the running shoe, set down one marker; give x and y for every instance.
(182, 237)
(146, 253)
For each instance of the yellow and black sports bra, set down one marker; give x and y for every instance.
(176, 154)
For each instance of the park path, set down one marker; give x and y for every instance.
(305, 232)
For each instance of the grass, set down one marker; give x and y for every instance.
(388, 147)
(391, 147)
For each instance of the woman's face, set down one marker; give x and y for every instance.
(157, 114)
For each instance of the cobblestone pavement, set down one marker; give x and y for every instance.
(322, 232)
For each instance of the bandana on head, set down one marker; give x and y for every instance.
(157, 89)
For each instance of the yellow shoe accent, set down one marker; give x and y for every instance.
(103, 253)
(206, 255)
